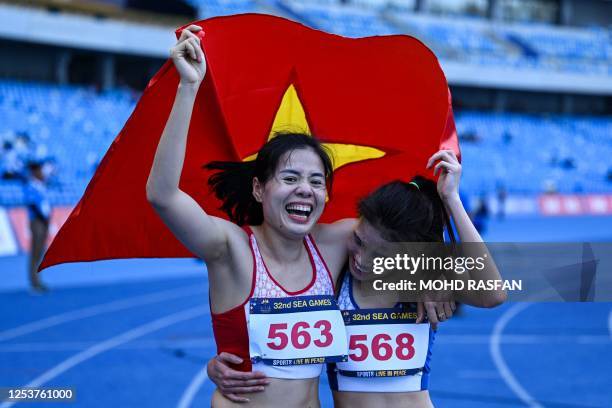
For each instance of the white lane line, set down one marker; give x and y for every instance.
(106, 345)
(200, 343)
(98, 309)
(191, 391)
(498, 359)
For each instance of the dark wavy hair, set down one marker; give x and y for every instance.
(407, 212)
(232, 182)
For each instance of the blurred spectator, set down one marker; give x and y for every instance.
(507, 137)
(481, 214)
(39, 213)
(609, 175)
(22, 145)
(501, 200)
(469, 136)
(50, 172)
(15, 154)
(554, 157)
(568, 163)
(11, 167)
(550, 187)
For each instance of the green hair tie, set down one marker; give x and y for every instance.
(416, 185)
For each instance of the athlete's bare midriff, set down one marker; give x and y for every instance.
(417, 399)
(283, 393)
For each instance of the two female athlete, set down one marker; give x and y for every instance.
(289, 180)
(396, 212)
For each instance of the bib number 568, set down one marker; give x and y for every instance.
(381, 346)
(300, 336)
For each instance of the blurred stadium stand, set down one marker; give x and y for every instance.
(343, 19)
(171, 12)
(212, 8)
(525, 153)
(533, 154)
(532, 99)
(76, 142)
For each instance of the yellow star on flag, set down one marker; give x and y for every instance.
(291, 116)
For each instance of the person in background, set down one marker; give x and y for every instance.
(11, 167)
(481, 214)
(39, 214)
(502, 194)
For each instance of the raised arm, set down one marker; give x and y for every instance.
(449, 169)
(202, 234)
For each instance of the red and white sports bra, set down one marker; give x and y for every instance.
(231, 328)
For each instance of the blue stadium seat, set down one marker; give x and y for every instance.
(560, 151)
(346, 20)
(210, 8)
(556, 151)
(66, 123)
(468, 39)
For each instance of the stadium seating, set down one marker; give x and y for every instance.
(466, 39)
(587, 51)
(71, 125)
(210, 8)
(532, 154)
(526, 154)
(346, 20)
(592, 44)
(470, 35)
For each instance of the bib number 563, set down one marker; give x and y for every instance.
(299, 335)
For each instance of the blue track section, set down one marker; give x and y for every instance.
(559, 354)
(136, 333)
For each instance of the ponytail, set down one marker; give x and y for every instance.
(233, 185)
(407, 212)
(440, 219)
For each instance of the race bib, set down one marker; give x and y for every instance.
(296, 330)
(384, 343)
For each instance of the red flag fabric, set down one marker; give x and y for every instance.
(386, 97)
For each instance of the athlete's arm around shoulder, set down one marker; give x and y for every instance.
(331, 239)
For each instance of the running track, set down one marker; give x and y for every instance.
(137, 334)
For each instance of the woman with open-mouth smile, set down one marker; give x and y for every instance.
(266, 255)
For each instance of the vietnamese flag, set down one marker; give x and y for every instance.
(381, 103)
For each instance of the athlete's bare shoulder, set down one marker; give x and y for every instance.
(332, 241)
(339, 231)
